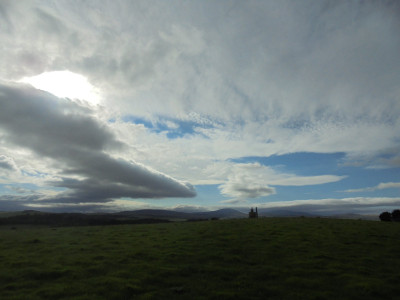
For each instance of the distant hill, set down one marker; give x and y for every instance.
(290, 213)
(151, 213)
(72, 219)
(226, 213)
(268, 212)
(6, 214)
(148, 216)
(143, 216)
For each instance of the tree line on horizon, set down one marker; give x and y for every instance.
(390, 217)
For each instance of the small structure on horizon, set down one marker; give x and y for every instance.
(253, 214)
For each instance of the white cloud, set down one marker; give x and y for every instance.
(388, 185)
(253, 180)
(380, 186)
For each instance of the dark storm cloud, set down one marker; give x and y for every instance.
(77, 142)
(94, 189)
(50, 126)
(17, 202)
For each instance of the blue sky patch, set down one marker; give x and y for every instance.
(301, 163)
(174, 128)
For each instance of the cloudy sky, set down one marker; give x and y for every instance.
(117, 105)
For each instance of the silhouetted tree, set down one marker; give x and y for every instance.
(396, 215)
(385, 216)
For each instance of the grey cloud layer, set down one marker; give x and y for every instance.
(318, 69)
(7, 163)
(294, 62)
(77, 142)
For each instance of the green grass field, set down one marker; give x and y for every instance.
(271, 258)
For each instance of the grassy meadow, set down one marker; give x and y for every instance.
(268, 258)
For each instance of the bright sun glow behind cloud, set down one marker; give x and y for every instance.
(65, 84)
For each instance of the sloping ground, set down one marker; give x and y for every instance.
(270, 258)
(73, 219)
(7, 214)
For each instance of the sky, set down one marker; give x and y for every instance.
(200, 105)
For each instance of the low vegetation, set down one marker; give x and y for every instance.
(389, 217)
(267, 258)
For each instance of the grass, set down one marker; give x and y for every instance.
(272, 258)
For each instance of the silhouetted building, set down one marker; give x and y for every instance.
(253, 214)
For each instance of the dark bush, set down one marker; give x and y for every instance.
(396, 215)
(385, 216)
